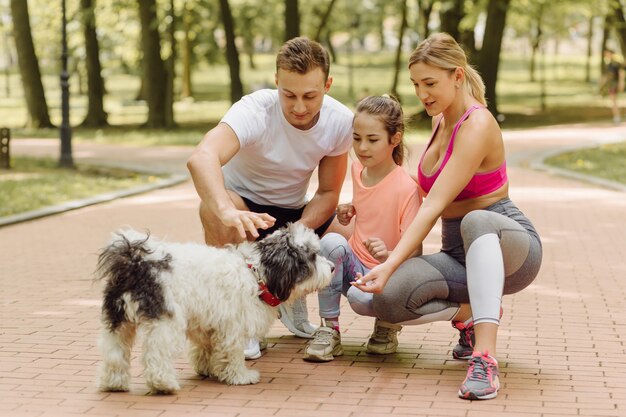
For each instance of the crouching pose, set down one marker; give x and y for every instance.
(489, 248)
(384, 203)
(218, 298)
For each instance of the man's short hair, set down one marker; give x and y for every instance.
(302, 55)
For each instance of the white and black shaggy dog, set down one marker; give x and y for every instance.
(217, 298)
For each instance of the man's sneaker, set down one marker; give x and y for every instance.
(295, 317)
(482, 381)
(326, 344)
(384, 340)
(464, 349)
(254, 348)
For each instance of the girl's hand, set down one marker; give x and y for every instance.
(345, 213)
(374, 281)
(377, 248)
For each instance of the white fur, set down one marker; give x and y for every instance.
(212, 297)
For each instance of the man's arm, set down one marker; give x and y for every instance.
(331, 174)
(218, 147)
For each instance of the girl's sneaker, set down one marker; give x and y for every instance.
(326, 344)
(384, 339)
(482, 381)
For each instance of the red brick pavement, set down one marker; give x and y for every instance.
(561, 345)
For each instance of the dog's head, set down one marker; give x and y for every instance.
(291, 264)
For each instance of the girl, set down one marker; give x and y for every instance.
(488, 246)
(385, 200)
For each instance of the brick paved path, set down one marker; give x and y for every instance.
(562, 350)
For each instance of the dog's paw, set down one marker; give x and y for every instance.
(105, 388)
(244, 376)
(163, 389)
(113, 382)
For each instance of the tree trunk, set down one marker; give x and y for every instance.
(331, 49)
(605, 39)
(453, 12)
(170, 68)
(589, 50)
(489, 58)
(34, 95)
(232, 55)
(292, 19)
(403, 25)
(96, 116)
(620, 24)
(425, 9)
(468, 40)
(324, 21)
(186, 88)
(154, 72)
(536, 43)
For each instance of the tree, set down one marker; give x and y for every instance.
(620, 23)
(96, 116)
(452, 13)
(170, 67)
(232, 54)
(292, 19)
(425, 8)
(28, 64)
(154, 71)
(403, 25)
(489, 57)
(324, 21)
(186, 87)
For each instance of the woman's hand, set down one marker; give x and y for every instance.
(374, 281)
(345, 213)
(377, 248)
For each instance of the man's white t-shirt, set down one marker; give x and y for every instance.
(276, 160)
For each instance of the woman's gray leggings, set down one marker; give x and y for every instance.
(485, 254)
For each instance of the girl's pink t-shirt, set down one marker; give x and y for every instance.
(384, 211)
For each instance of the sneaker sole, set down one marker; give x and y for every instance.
(338, 351)
(256, 355)
(471, 396)
(461, 358)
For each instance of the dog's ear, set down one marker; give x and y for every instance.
(284, 263)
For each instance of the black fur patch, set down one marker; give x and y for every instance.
(123, 266)
(284, 263)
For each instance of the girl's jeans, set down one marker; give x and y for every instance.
(337, 250)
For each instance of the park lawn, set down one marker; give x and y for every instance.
(606, 161)
(34, 183)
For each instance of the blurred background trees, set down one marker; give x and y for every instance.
(161, 55)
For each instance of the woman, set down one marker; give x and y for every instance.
(488, 246)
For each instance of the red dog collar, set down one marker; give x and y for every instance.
(267, 297)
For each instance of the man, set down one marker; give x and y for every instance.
(253, 169)
(612, 81)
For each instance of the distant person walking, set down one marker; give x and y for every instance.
(612, 81)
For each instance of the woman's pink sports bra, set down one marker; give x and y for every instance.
(481, 183)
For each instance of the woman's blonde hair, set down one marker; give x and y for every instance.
(389, 112)
(440, 50)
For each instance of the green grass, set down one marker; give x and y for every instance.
(606, 161)
(32, 183)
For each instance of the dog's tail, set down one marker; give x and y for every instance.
(132, 289)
